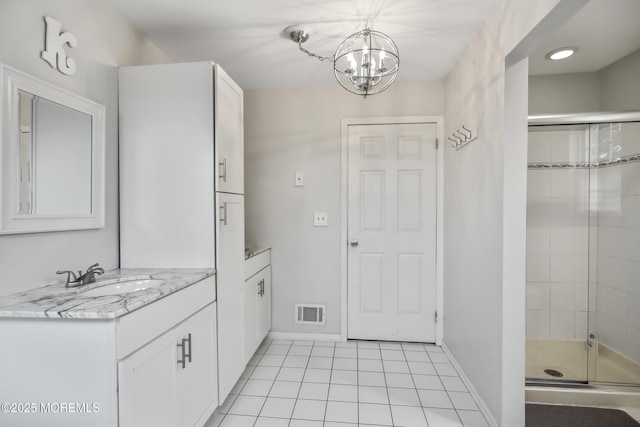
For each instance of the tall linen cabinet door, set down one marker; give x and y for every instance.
(229, 134)
(251, 295)
(230, 281)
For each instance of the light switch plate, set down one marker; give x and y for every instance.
(298, 179)
(320, 219)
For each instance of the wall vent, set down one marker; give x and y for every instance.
(310, 314)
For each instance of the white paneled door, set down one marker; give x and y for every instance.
(392, 232)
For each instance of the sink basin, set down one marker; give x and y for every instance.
(123, 287)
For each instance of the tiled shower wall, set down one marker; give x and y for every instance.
(558, 238)
(557, 233)
(618, 254)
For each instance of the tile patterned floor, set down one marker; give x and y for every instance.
(344, 384)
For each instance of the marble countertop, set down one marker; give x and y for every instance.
(57, 301)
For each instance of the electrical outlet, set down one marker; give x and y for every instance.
(298, 179)
(320, 219)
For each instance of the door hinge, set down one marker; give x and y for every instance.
(436, 316)
(437, 143)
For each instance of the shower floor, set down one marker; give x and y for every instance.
(570, 358)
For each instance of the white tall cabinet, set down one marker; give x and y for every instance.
(182, 185)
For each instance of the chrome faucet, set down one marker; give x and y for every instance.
(82, 278)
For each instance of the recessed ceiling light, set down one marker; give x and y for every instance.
(562, 53)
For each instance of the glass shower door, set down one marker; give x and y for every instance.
(558, 218)
(614, 338)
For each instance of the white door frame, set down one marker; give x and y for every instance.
(344, 180)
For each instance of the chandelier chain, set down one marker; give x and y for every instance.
(318, 57)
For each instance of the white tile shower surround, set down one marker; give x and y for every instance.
(557, 234)
(344, 384)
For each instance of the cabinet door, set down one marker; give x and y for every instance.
(197, 381)
(229, 133)
(250, 316)
(230, 281)
(264, 305)
(147, 385)
(230, 243)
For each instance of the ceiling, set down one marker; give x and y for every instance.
(603, 31)
(246, 36)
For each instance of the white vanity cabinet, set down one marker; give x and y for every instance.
(171, 381)
(256, 301)
(257, 310)
(121, 371)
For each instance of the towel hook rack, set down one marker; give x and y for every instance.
(462, 136)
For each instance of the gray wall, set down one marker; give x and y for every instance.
(105, 41)
(298, 130)
(484, 207)
(564, 93)
(614, 88)
(620, 84)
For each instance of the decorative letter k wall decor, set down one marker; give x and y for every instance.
(54, 43)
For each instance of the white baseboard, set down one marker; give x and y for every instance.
(303, 336)
(481, 405)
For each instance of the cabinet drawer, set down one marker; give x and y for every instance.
(256, 263)
(141, 326)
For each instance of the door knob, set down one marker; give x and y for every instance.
(354, 243)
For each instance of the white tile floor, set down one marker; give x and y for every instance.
(344, 384)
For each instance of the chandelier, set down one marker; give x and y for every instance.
(365, 63)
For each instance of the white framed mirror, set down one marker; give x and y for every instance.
(52, 155)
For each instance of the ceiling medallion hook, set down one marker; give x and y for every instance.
(298, 35)
(365, 63)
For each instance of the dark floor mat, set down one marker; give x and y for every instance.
(575, 416)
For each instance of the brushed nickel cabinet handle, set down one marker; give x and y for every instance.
(222, 170)
(223, 214)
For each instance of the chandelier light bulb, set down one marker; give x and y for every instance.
(351, 68)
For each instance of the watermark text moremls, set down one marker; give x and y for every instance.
(50, 407)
